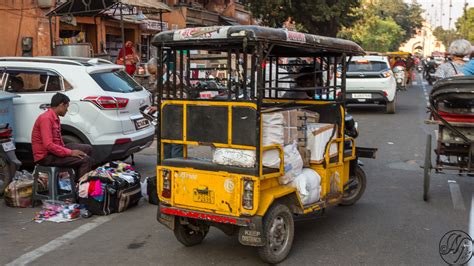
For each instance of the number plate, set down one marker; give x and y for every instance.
(141, 123)
(8, 146)
(361, 95)
(203, 197)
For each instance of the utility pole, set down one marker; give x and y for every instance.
(450, 18)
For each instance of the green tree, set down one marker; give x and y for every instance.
(465, 25)
(323, 17)
(408, 16)
(374, 33)
(446, 36)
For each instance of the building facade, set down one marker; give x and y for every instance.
(424, 42)
(26, 29)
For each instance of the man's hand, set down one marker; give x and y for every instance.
(78, 153)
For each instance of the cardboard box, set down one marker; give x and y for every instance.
(299, 117)
(297, 134)
(306, 156)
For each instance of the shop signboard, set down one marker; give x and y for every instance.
(154, 25)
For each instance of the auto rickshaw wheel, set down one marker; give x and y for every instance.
(357, 187)
(190, 234)
(278, 228)
(427, 168)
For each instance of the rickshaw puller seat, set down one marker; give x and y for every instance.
(210, 166)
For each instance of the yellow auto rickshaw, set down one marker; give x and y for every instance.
(222, 177)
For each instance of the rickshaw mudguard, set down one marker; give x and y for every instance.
(268, 196)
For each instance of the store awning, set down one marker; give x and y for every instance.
(98, 7)
(228, 21)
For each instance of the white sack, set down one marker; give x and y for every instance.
(272, 133)
(308, 185)
(234, 157)
(293, 164)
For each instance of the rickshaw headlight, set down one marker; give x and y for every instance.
(247, 199)
(166, 192)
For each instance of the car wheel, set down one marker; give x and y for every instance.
(70, 139)
(391, 107)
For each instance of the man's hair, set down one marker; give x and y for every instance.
(58, 99)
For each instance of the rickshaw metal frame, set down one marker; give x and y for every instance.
(262, 45)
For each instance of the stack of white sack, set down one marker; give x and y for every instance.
(293, 164)
(308, 185)
(272, 133)
(234, 157)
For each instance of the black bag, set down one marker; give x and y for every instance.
(119, 195)
(151, 190)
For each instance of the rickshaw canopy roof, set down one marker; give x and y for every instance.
(285, 41)
(398, 53)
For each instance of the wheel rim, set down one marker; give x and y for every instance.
(279, 235)
(353, 193)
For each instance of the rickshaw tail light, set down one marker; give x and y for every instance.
(166, 191)
(247, 199)
(385, 93)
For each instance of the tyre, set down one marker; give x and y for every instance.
(359, 180)
(187, 235)
(391, 107)
(279, 230)
(70, 139)
(427, 168)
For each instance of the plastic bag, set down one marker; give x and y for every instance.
(19, 192)
(308, 184)
(293, 163)
(234, 157)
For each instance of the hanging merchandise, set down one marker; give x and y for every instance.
(113, 187)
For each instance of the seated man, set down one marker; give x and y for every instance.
(48, 145)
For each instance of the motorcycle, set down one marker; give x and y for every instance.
(9, 163)
(400, 78)
(419, 68)
(430, 76)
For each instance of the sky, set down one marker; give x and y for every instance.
(433, 11)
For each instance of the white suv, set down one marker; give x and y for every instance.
(369, 79)
(104, 110)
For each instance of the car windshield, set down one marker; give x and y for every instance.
(366, 66)
(116, 81)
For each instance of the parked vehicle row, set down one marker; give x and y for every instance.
(104, 110)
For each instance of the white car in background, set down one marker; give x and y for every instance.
(104, 110)
(369, 79)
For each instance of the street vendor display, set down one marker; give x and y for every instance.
(259, 129)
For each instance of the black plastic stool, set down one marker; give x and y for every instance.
(53, 184)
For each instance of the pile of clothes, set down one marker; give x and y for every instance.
(113, 187)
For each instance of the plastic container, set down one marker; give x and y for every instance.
(6, 109)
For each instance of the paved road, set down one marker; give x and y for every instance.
(390, 225)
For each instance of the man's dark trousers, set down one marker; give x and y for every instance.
(80, 166)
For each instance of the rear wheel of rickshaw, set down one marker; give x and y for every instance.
(190, 234)
(427, 168)
(278, 227)
(356, 188)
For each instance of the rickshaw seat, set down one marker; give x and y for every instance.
(210, 166)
